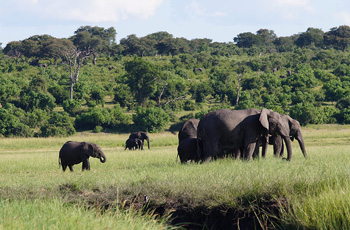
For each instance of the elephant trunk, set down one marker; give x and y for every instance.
(148, 142)
(103, 158)
(301, 144)
(289, 148)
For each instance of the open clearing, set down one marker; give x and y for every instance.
(269, 193)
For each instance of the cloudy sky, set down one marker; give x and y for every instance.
(220, 20)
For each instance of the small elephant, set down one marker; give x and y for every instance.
(73, 153)
(133, 144)
(142, 136)
(187, 150)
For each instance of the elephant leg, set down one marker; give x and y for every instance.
(278, 146)
(211, 148)
(86, 165)
(289, 148)
(64, 167)
(256, 152)
(249, 150)
(237, 153)
(282, 149)
(264, 148)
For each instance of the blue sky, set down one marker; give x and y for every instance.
(219, 20)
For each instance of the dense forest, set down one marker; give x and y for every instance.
(55, 87)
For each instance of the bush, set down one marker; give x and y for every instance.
(32, 100)
(106, 118)
(98, 129)
(151, 119)
(309, 114)
(190, 105)
(10, 125)
(59, 124)
(70, 106)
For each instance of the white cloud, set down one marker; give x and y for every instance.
(197, 9)
(194, 8)
(292, 9)
(90, 10)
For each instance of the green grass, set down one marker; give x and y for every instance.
(316, 188)
(55, 214)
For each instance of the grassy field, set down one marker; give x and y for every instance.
(311, 193)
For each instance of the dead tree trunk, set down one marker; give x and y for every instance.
(238, 89)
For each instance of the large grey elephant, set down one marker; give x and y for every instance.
(73, 153)
(140, 135)
(188, 129)
(235, 130)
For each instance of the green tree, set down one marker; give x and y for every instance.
(141, 78)
(153, 119)
(94, 40)
(14, 50)
(338, 37)
(59, 124)
(311, 36)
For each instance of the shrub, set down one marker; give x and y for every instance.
(70, 106)
(59, 124)
(40, 100)
(151, 119)
(107, 118)
(11, 125)
(98, 129)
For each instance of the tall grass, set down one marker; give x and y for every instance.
(55, 214)
(313, 187)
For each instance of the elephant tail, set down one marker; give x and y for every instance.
(59, 162)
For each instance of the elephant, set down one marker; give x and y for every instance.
(142, 136)
(290, 130)
(132, 144)
(237, 130)
(188, 129)
(187, 150)
(73, 153)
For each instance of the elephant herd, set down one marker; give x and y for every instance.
(136, 140)
(73, 152)
(238, 133)
(223, 132)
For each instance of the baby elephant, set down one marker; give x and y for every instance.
(73, 153)
(187, 150)
(133, 143)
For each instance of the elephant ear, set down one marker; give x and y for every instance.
(284, 125)
(264, 120)
(87, 149)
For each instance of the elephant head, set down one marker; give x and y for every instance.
(285, 126)
(94, 150)
(144, 136)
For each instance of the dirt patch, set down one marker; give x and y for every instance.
(257, 214)
(260, 215)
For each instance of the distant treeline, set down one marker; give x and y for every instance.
(51, 86)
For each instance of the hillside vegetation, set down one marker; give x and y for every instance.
(55, 87)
